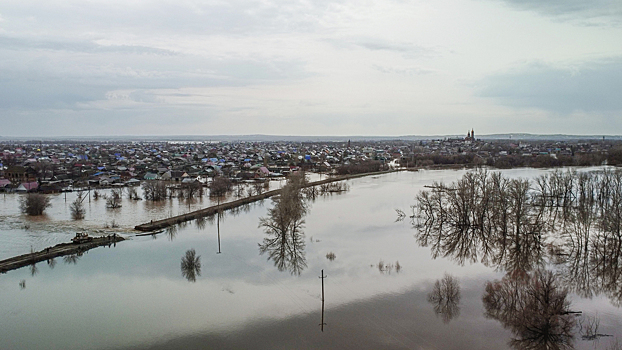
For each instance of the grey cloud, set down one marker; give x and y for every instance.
(148, 17)
(410, 71)
(15, 43)
(590, 87)
(408, 50)
(389, 46)
(58, 87)
(41, 74)
(609, 11)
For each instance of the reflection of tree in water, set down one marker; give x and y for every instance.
(33, 269)
(71, 259)
(591, 256)
(445, 297)
(285, 242)
(504, 223)
(171, 232)
(191, 265)
(535, 308)
(481, 217)
(200, 222)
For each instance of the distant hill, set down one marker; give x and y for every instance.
(297, 138)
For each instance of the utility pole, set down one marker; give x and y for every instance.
(218, 226)
(322, 324)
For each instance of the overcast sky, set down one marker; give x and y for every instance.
(316, 67)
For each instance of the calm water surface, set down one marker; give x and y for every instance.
(136, 296)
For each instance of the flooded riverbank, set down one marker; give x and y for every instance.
(379, 290)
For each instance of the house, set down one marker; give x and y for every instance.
(51, 188)
(4, 184)
(262, 172)
(18, 174)
(27, 187)
(150, 176)
(178, 175)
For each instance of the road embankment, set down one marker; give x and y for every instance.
(62, 249)
(164, 223)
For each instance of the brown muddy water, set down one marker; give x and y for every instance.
(382, 290)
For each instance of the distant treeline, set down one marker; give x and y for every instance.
(370, 166)
(613, 157)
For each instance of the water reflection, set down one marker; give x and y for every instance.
(200, 223)
(33, 269)
(445, 297)
(535, 308)
(171, 232)
(388, 267)
(191, 265)
(286, 249)
(285, 242)
(504, 223)
(482, 217)
(71, 259)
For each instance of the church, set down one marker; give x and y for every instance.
(470, 136)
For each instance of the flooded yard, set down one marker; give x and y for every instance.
(211, 284)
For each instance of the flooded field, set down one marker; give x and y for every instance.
(19, 233)
(215, 284)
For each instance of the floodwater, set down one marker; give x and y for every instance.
(382, 290)
(19, 233)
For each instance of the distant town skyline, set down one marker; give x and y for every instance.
(333, 68)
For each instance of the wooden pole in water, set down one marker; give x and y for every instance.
(322, 324)
(218, 226)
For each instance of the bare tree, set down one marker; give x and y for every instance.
(132, 193)
(258, 188)
(34, 204)
(219, 186)
(191, 190)
(154, 190)
(114, 201)
(77, 209)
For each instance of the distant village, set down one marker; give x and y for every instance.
(52, 167)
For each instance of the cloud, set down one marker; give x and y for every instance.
(595, 11)
(163, 16)
(25, 44)
(385, 45)
(408, 71)
(588, 87)
(49, 74)
(406, 49)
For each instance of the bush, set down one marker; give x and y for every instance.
(77, 209)
(34, 204)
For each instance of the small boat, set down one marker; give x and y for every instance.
(149, 233)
